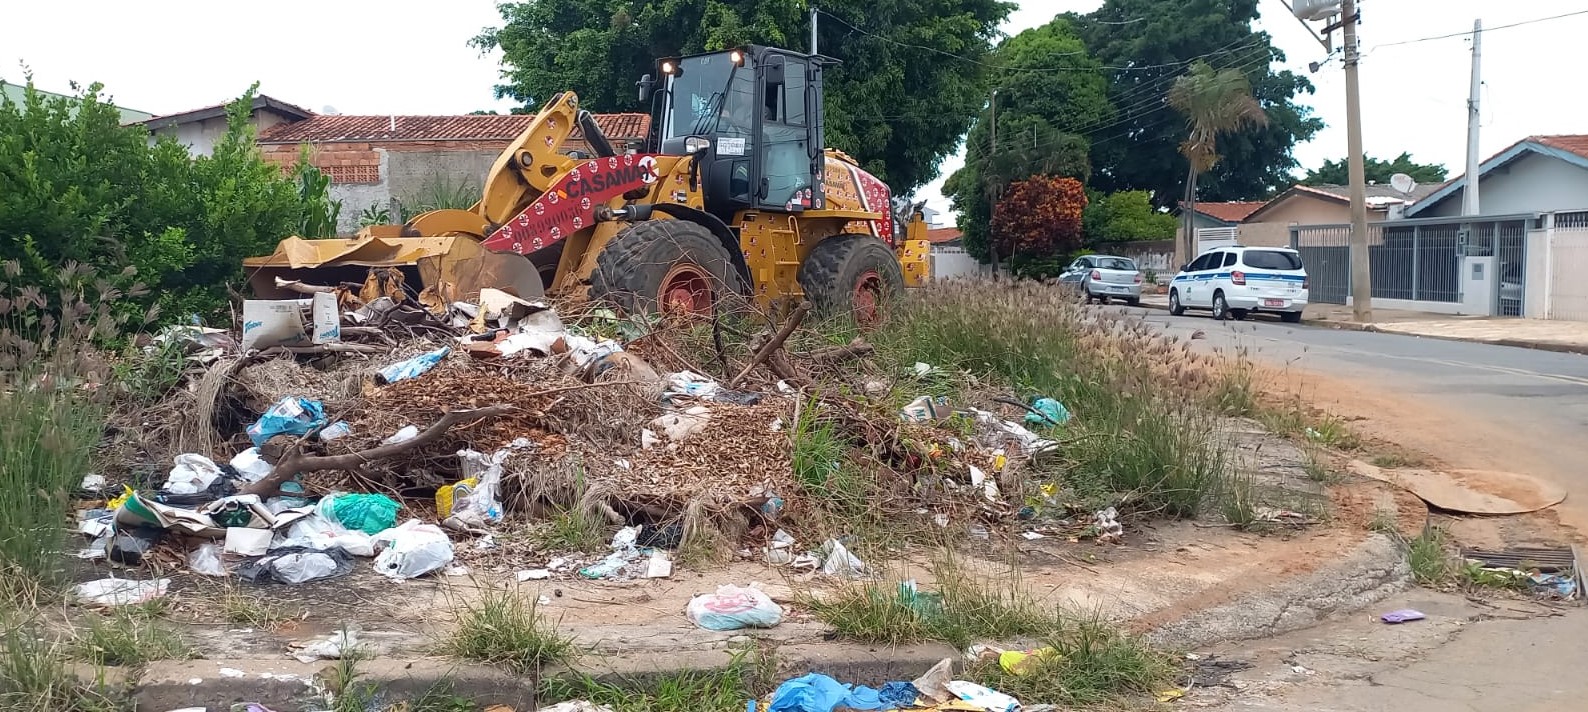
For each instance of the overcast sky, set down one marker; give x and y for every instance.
(405, 57)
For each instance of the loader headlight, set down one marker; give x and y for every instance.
(695, 144)
(736, 57)
(669, 67)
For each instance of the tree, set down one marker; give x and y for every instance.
(1147, 44)
(78, 188)
(1214, 102)
(1039, 218)
(1124, 216)
(898, 101)
(1377, 171)
(1036, 105)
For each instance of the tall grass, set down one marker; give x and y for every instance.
(1145, 406)
(504, 629)
(53, 394)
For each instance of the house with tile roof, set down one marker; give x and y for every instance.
(1539, 174)
(407, 164)
(1269, 225)
(199, 129)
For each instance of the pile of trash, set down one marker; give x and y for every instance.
(365, 422)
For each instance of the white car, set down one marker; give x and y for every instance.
(1236, 281)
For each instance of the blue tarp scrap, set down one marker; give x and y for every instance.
(819, 693)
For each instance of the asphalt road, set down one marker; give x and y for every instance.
(1498, 404)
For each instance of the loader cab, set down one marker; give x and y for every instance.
(754, 117)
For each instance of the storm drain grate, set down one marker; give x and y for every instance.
(1546, 561)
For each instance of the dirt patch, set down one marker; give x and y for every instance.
(1438, 437)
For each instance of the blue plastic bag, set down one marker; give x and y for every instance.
(819, 693)
(412, 367)
(289, 416)
(1052, 413)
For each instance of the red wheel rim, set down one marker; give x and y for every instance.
(685, 290)
(867, 298)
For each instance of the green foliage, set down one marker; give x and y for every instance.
(1377, 171)
(1040, 115)
(129, 636)
(1429, 557)
(1152, 42)
(890, 104)
(1125, 216)
(1091, 663)
(319, 211)
(78, 187)
(440, 191)
(1143, 427)
(695, 691)
(375, 214)
(37, 673)
(502, 629)
(1215, 102)
(52, 423)
(961, 610)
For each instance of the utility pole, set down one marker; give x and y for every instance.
(813, 28)
(1361, 269)
(992, 244)
(1469, 192)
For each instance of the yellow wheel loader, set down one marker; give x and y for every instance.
(733, 196)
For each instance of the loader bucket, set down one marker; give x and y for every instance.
(451, 268)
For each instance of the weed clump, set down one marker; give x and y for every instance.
(502, 629)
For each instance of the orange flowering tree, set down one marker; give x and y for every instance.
(1039, 217)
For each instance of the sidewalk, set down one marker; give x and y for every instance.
(1565, 336)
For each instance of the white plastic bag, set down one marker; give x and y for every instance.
(732, 608)
(317, 532)
(121, 592)
(303, 567)
(840, 562)
(412, 549)
(978, 696)
(191, 474)
(251, 466)
(206, 560)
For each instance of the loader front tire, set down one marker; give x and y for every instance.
(667, 266)
(852, 274)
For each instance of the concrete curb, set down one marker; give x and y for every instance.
(1369, 573)
(289, 686)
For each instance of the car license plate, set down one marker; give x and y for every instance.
(1273, 302)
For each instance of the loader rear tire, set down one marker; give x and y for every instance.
(668, 266)
(852, 274)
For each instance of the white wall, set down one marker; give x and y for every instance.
(949, 262)
(1531, 184)
(200, 136)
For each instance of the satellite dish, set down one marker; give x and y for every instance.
(1403, 183)
(329, 110)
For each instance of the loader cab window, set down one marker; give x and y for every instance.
(787, 167)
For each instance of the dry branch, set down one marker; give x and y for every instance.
(765, 352)
(325, 349)
(835, 355)
(294, 464)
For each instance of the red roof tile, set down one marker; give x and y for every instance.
(330, 129)
(941, 235)
(1229, 212)
(1576, 143)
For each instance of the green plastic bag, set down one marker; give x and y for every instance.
(1048, 412)
(368, 513)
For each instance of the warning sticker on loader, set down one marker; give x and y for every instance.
(570, 204)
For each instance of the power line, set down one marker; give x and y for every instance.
(1465, 33)
(1006, 68)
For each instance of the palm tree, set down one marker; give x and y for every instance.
(1214, 101)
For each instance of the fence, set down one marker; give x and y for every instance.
(1415, 260)
(1567, 291)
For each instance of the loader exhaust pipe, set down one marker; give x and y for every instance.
(593, 136)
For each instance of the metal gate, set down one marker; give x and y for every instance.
(1326, 253)
(1417, 260)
